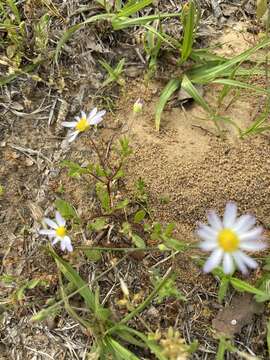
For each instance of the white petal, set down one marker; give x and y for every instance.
(254, 234)
(72, 136)
(92, 114)
(213, 261)
(47, 232)
(214, 220)
(239, 262)
(50, 223)
(66, 244)
(208, 245)
(60, 221)
(252, 246)
(83, 115)
(229, 214)
(70, 124)
(228, 267)
(97, 118)
(244, 223)
(247, 260)
(56, 240)
(206, 232)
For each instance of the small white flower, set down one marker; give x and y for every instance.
(57, 232)
(228, 238)
(83, 122)
(138, 105)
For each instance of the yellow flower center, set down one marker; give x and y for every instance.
(61, 231)
(228, 240)
(82, 125)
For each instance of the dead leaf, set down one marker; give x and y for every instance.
(240, 312)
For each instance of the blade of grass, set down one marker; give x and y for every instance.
(119, 23)
(169, 89)
(15, 10)
(67, 34)
(120, 351)
(75, 278)
(149, 298)
(205, 75)
(242, 85)
(192, 91)
(256, 127)
(130, 9)
(189, 25)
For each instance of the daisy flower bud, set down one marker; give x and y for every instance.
(137, 107)
(229, 238)
(57, 232)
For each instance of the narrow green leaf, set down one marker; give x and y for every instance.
(242, 85)
(68, 33)
(244, 286)
(130, 9)
(119, 23)
(207, 74)
(75, 278)
(120, 351)
(14, 9)
(189, 23)
(192, 91)
(167, 92)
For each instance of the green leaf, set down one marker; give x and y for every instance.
(167, 92)
(75, 170)
(68, 33)
(137, 241)
(93, 255)
(192, 91)
(244, 286)
(98, 225)
(242, 85)
(65, 209)
(189, 25)
(122, 204)
(75, 279)
(169, 230)
(207, 74)
(130, 9)
(103, 196)
(120, 173)
(175, 244)
(139, 216)
(121, 353)
(14, 9)
(261, 8)
(122, 22)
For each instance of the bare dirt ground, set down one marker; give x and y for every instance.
(187, 169)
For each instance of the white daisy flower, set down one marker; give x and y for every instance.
(83, 122)
(57, 232)
(228, 238)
